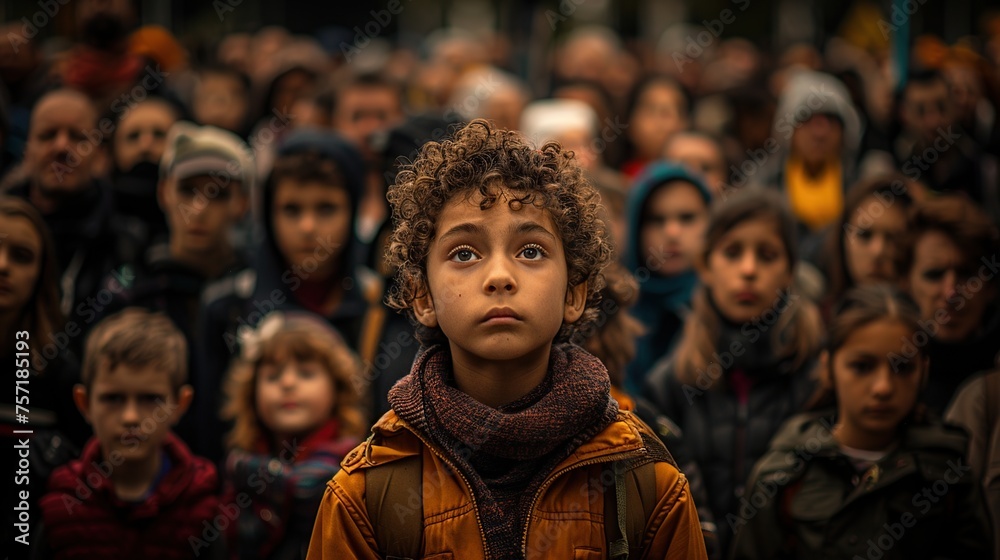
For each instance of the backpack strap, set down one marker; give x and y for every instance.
(394, 500)
(374, 320)
(624, 526)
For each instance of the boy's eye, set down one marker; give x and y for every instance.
(533, 252)
(861, 366)
(291, 210)
(686, 218)
(463, 254)
(863, 234)
(934, 274)
(151, 399)
(767, 255)
(327, 209)
(112, 399)
(732, 251)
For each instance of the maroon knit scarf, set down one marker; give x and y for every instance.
(506, 453)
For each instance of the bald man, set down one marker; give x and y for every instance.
(65, 158)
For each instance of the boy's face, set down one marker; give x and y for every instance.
(131, 410)
(142, 135)
(364, 110)
(200, 211)
(673, 228)
(497, 280)
(312, 224)
(220, 100)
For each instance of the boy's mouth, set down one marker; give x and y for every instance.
(501, 315)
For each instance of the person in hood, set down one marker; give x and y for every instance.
(305, 261)
(667, 215)
(812, 154)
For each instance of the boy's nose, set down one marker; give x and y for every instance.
(130, 414)
(500, 277)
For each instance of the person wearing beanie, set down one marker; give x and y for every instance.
(206, 174)
(667, 213)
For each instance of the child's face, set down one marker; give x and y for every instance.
(312, 225)
(673, 228)
(747, 269)
(20, 262)
(497, 279)
(142, 135)
(294, 398)
(870, 251)
(875, 388)
(132, 410)
(220, 100)
(200, 211)
(362, 111)
(702, 156)
(657, 116)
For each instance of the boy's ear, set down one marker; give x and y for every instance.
(82, 401)
(184, 396)
(423, 309)
(576, 303)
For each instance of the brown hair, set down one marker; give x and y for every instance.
(960, 220)
(300, 339)
(892, 188)
(479, 159)
(41, 316)
(859, 307)
(613, 340)
(136, 337)
(798, 331)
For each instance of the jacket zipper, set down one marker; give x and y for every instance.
(468, 488)
(548, 481)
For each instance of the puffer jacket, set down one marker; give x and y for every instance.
(725, 436)
(566, 520)
(806, 500)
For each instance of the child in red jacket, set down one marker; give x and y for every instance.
(136, 491)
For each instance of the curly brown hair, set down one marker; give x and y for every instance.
(482, 159)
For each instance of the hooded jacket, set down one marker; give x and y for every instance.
(806, 500)
(242, 301)
(663, 300)
(564, 522)
(85, 519)
(807, 93)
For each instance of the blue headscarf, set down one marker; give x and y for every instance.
(663, 300)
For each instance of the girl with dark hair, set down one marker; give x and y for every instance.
(875, 476)
(741, 367)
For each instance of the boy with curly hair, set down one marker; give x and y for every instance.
(503, 442)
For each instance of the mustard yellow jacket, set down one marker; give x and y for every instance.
(567, 520)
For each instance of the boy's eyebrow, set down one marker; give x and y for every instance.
(532, 227)
(467, 227)
(518, 228)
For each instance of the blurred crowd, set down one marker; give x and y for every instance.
(239, 190)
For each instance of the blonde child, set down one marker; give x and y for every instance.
(296, 414)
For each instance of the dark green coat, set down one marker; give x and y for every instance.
(804, 499)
